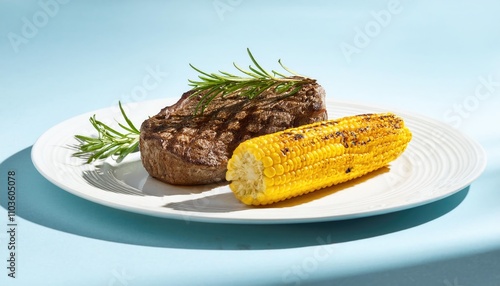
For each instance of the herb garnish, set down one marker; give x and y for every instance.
(112, 143)
(109, 141)
(254, 82)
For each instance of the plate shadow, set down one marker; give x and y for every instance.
(43, 203)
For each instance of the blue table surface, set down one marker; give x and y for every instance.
(59, 59)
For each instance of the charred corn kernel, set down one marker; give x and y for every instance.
(296, 161)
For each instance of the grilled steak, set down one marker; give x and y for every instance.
(181, 148)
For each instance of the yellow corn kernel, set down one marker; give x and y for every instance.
(296, 161)
(270, 172)
(267, 161)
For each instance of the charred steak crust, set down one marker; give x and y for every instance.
(180, 148)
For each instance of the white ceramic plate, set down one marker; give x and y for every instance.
(438, 162)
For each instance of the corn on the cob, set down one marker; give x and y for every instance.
(300, 160)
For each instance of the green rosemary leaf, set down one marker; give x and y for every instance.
(105, 129)
(254, 82)
(208, 79)
(278, 74)
(207, 97)
(287, 69)
(281, 88)
(108, 151)
(109, 141)
(254, 75)
(87, 139)
(132, 148)
(235, 87)
(128, 128)
(130, 124)
(231, 76)
(257, 64)
(256, 71)
(200, 71)
(294, 91)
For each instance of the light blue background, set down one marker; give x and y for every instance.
(431, 57)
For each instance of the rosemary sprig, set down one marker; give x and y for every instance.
(251, 84)
(254, 81)
(109, 141)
